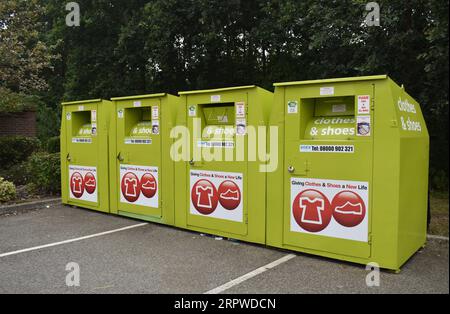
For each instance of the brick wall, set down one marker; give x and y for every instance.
(22, 123)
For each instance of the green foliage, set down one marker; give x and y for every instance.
(16, 149)
(19, 173)
(45, 172)
(53, 145)
(127, 47)
(7, 190)
(24, 57)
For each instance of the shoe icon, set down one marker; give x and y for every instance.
(349, 209)
(149, 185)
(230, 195)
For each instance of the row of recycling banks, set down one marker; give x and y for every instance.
(347, 176)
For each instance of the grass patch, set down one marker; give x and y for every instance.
(439, 214)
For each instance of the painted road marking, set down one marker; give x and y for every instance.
(251, 274)
(71, 240)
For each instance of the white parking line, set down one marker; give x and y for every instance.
(71, 240)
(251, 274)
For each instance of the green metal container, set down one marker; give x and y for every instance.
(141, 169)
(217, 191)
(353, 177)
(84, 154)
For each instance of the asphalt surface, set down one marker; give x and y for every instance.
(160, 259)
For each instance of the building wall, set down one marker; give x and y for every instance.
(22, 123)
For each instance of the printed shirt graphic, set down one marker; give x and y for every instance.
(77, 183)
(131, 186)
(312, 210)
(204, 196)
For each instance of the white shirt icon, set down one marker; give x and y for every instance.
(76, 183)
(312, 208)
(204, 195)
(130, 187)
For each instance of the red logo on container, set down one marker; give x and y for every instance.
(130, 187)
(348, 208)
(312, 210)
(229, 195)
(90, 183)
(148, 185)
(77, 184)
(204, 197)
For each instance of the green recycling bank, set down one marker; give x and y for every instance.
(141, 168)
(219, 189)
(353, 175)
(84, 154)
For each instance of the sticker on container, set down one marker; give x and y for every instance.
(139, 185)
(241, 127)
(240, 109)
(363, 125)
(292, 107)
(364, 104)
(82, 140)
(215, 144)
(155, 112)
(155, 126)
(120, 113)
(192, 111)
(137, 103)
(93, 115)
(326, 91)
(217, 195)
(68, 116)
(81, 108)
(332, 208)
(138, 141)
(342, 149)
(94, 129)
(339, 108)
(215, 98)
(83, 183)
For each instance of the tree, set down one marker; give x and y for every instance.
(24, 56)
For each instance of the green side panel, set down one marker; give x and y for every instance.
(141, 169)
(355, 150)
(84, 154)
(223, 195)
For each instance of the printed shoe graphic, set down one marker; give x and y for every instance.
(149, 185)
(230, 195)
(350, 209)
(90, 182)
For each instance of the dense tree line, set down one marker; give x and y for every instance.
(125, 47)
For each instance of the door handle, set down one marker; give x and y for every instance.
(119, 157)
(68, 158)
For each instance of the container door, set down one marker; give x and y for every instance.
(216, 180)
(328, 162)
(139, 157)
(82, 155)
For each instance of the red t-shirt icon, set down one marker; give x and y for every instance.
(77, 184)
(130, 187)
(204, 197)
(312, 210)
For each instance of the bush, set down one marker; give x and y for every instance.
(7, 190)
(19, 173)
(16, 149)
(45, 172)
(53, 145)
